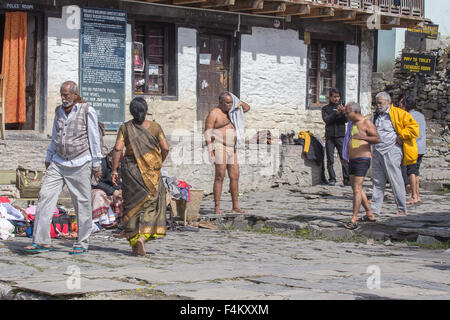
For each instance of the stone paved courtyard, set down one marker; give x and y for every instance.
(239, 263)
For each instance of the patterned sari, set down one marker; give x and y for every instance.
(144, 201)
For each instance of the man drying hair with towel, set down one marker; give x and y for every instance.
(223, 130)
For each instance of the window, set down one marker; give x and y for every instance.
(322, 58)
(153, 61)
(31, 70)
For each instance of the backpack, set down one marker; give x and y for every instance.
(61, 223)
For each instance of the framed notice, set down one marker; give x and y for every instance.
(103, 62)
(418, 63)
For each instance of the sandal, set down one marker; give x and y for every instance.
(350, 225)
(37, 248)
(78, 250)
(366, 218)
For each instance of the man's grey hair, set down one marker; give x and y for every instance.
(223, 95)
(385, 96)
(73, 87)
(354, 107)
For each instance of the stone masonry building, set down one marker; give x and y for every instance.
(281, 57)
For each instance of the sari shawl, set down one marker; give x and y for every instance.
(144, 201)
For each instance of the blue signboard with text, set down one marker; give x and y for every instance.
(103, 62)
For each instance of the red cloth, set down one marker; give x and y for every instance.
(4, 200)
(185, 185)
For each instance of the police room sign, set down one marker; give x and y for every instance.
(418, 63)
(103, 63)
(16, 6)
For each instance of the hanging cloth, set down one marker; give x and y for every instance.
(14, 66)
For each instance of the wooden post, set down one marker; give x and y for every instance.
(416, 81)
(2, 105)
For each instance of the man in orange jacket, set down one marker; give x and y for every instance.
(397, 130)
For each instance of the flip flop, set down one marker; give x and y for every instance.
(366, 218)
(350, 225)
(37, 248)
(82, 250)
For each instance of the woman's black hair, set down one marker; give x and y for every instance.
(409, 102)
(138, 109)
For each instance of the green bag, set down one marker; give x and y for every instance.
(29, 182)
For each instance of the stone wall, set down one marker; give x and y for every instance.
(433, 94)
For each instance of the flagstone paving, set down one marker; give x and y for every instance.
(237, 263)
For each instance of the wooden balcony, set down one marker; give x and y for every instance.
(391, 13)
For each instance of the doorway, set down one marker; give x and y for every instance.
(214, 71)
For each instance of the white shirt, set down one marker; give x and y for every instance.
(93, 136)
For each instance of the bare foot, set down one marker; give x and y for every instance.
(401, 213)
(218, 211)
(141, 246)
(412, 201)
(238, 210)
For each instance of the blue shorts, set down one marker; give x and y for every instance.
(414, 168)
(359, 166)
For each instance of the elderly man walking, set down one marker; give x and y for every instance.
(397, 130)
(73, 155)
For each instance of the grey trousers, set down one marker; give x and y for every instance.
(78, 181)
(388, 167)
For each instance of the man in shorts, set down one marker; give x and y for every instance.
(220, 137)
(412, 171)
(362, 134)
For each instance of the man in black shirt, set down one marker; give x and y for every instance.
(334, 117)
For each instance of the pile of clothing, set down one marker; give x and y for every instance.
(9, 216)
(16, 221)
(314, 149)
(178, 189)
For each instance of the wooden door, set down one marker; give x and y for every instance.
(213, 72)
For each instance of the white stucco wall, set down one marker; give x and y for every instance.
(352, 73)
(273, 77)
(273, 80)
(63, 56)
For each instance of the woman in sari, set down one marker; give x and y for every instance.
(143, 192)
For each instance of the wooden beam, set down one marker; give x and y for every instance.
(385, 22)
(152, 1)
(391, 21)
(271, 8)
(343, 15)
(245, 5)
(320, 13)
(295, 10)
(218, 3)
(178, 2)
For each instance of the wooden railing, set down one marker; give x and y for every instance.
(415, 8)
